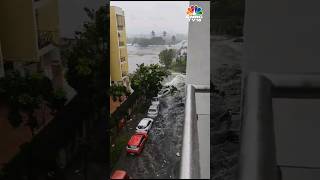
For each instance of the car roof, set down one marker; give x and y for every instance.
(119, 174)
(135, 139)
(144, 122)
(153, 106)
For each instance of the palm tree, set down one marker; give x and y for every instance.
(164, 34)
(153, 34)
(173, 39)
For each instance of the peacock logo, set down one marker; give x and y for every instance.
(194, 13)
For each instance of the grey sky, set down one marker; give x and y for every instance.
(144, 16)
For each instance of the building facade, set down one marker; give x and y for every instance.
(29, 38)
(118, 46)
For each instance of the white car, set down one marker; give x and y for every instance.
(164, 92)
(153, 111)
(144, 125)
(155, 101)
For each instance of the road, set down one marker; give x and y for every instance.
(158, 160)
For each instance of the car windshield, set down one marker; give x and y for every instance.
(155, 99)
(152, 110)
(132, 147)
(140, 127)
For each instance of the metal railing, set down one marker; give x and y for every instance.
(45, 38)
(190, 159)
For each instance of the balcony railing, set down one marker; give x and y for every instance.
(121, 43)
(45, 38)
(190, 158)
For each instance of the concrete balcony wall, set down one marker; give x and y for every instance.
(198, 73)
(282, 37)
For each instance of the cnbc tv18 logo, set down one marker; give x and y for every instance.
(194, 13)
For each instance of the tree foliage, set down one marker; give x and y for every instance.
(147, 79)
(85, 56)
(117, 91)
(144, 42)
(173, 39)
(166, 56)
(26, 93)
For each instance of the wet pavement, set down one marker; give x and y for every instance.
(159, 159)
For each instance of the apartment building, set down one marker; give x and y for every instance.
(118, 47)
(29, 37)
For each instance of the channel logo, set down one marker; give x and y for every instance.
(194, 13)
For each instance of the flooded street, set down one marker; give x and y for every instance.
(160, 157)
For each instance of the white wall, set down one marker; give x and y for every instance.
(282, 36)
(198, 72)
(198, 59)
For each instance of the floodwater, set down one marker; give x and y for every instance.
(147, 55)
(160, 158)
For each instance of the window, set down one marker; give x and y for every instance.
(141, 142)
(120, 22)
(121, 43)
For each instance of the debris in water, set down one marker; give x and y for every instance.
(178, 154)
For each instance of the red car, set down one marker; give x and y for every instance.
(136, 143)
(120, 174)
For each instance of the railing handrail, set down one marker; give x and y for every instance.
(190, 164)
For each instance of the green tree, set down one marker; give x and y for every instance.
(25, 94)
(87, 74)
(166, 56)
(153, 34)
(147, 79)
(164, 34)
(117, 91)
(173, 39)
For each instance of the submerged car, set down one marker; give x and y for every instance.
(153, 111)
(144, 125)
(136, 143)
(120, 174)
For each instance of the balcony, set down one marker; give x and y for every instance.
(195, 142)
(45, 38)
(121, 43)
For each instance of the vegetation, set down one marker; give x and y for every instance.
(117, 91)
(166, 56)
(87, 74)
(180, 64)
(164, 33)
(25, 94)
(173, 39)
(147, 79)
(144, 42)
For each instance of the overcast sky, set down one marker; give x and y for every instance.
(144, 16)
